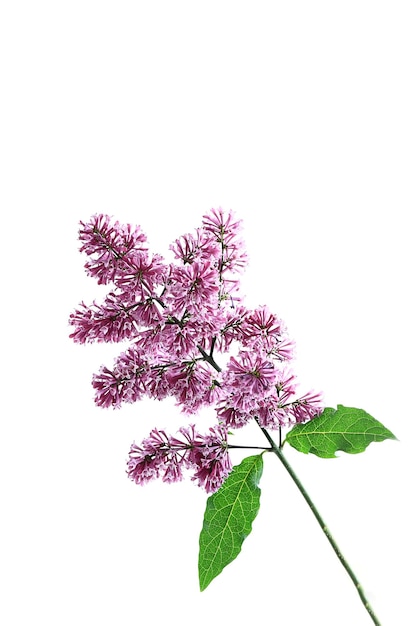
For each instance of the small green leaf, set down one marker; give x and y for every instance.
(347, 429)
(228, 519)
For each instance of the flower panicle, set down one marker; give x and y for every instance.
(177, 317)
(167, 457)
(108, 245)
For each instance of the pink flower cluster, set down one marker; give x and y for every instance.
(163, 455)
(176, 315)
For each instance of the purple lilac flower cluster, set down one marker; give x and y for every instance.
(176, 315)
(161, 454)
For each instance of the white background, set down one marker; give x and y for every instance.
(300, 116)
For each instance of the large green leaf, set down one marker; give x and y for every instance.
(346, 429)
(228, 519)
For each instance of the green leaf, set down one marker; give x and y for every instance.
(347, 429)
(228, 519)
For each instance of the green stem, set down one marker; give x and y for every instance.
(229, 447)
(323, 526)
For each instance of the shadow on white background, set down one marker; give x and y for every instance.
(301, 118)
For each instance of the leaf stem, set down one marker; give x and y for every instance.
(280, 455)
(249, 447)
